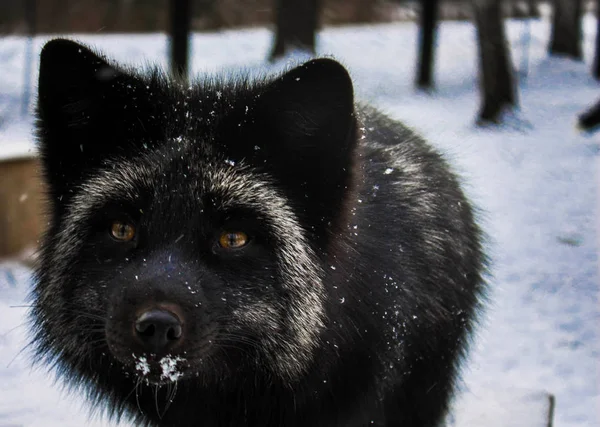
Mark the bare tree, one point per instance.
(296, 24)
(566, 29)
(427, 33)
(180, 14)
(496, 76)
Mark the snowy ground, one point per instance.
(537, 181)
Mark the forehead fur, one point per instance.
(191, 173)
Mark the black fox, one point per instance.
(246, 251)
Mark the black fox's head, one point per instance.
(189, 225)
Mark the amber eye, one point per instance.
(122, 231)
(233, 240)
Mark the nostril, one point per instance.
(156, 329)
(146, 329)
(174, 333)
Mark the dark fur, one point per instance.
(398, 254)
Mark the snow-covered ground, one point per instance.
(536, 180)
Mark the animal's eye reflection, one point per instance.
(122, 231)
(233, 239)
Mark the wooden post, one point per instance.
(21, 214)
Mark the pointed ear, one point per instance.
(70, 74)
(84, 110)
(312, 109)
(308, 118)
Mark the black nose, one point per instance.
(158, 330)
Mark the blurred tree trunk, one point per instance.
(427, 33)
(180, 21)
(566, 29)
(296, 24)
(596, 66)
(524, 9)
(534, 11)
(590, 119)
(496, 77)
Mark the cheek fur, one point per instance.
(258, 316)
